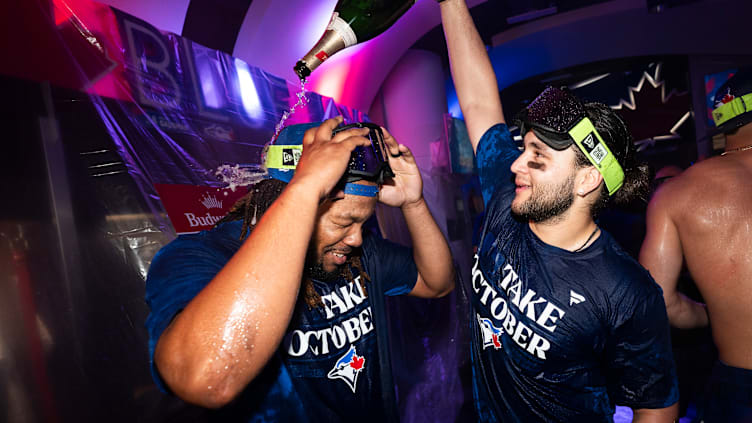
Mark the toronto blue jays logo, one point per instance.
(348, 367)
(490, 333)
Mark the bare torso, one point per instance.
(711, 206)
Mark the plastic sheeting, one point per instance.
(186, 112)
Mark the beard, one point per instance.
(547, 202)
(316, 271)
(315, 267)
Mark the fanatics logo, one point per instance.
(348, 367)
(575, 298)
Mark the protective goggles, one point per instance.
(559, 119)
(732, 109)
(370, 163)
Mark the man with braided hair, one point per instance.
(703, 218)
(565, 323)
(269, 315)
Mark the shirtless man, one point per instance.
(704, 216)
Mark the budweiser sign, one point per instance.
(194, 208)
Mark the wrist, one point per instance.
(412, 205)
(302, 191)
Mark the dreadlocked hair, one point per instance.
(254, 204)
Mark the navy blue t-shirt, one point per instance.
(327, 367)
(559, 336)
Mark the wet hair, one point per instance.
(637, 176)
(254, 204)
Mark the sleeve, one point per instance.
(640, 362)
(391, 263)
(494, 156)
(179, 271)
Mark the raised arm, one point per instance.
(225, 336)
(472, 73)
(430, 249)
(662, 255)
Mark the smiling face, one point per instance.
(338, 231)
(545, 180)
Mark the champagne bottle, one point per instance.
(353, 22)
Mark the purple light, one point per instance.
(208, 74)
(248, 93)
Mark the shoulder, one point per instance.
(376, 250)
(627, 274)
(493, 138)
(214, 243)
(704, 183)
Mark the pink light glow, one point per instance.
(331, 77)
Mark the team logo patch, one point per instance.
(348, 367)
(490, 333)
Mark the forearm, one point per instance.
(658, 415)
(228, 332)
(431, 253)
(684, 313)
(472, 73)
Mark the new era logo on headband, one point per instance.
(594, 148)
(290, 156)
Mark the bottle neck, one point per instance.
(330, 43)
(338, 36)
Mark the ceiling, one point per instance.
(274, 34)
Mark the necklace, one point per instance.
(589, 238)
(745, 148)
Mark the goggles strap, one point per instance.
(283, 156)
(732, 109)
(287, 156)
(598, 153)
(362, 190)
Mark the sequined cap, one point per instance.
(550, 116)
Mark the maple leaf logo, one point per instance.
(496, 343)
(357, 362)
(652, 114)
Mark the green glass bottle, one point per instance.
(353, 22)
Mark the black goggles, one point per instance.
(370, 163)
(559, 119)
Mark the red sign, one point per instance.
(194, 208)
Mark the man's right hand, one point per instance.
(325, 158)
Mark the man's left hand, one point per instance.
(406, 187)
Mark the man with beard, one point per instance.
(566, 324)
(279, 323)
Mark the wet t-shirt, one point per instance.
(559, 336)
(327, 366)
